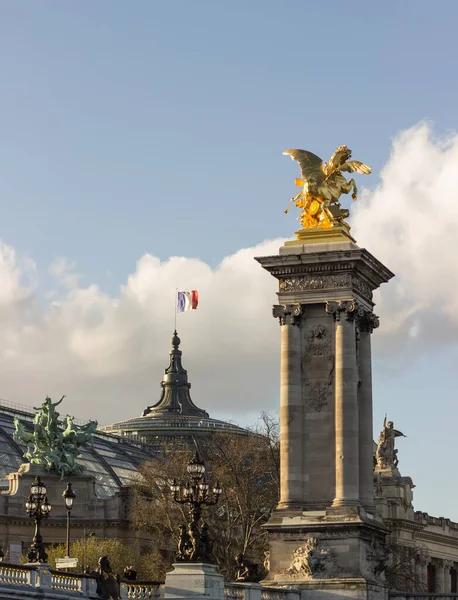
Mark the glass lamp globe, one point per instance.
(69, 496)
(196, 466)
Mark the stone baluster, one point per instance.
(366, 323)
(291, 417)
(346, 405)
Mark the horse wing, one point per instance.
(355, 165)
(309, 163)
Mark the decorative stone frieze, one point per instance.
(316, 280)
(287, 314)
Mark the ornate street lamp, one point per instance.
(195, 545)
(38, 508)
(69, 496)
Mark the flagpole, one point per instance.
(175, 306)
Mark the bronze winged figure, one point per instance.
(322, 185)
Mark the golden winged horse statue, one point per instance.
(322, 185)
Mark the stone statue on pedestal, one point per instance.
(386, 454)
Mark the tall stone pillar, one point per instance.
(366, 323)
(324, 535)
(346, 405)
(291, 418)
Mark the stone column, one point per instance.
(366, 323)
(291, 419)
(447, 588)
(346, 405)
(440, 576)
(418, 576)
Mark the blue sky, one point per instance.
(157, 127)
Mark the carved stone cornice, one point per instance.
(345, 308)
(318, 274)
(287, 314)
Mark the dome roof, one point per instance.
(175, 414)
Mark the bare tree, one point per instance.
(247, 468)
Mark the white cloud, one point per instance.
(107, 354)
(410, 222)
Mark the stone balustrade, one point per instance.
(142, 589)
(254, 591)
(26, 581)
(401, 596)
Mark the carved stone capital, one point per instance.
(287, 314)
(345, 308)
(448, 564)
(367, 321)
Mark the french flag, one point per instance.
(187, 301)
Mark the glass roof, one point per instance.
(113, 461)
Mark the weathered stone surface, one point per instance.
(194, 580)
(324, 536)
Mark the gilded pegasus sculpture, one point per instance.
(322, 185)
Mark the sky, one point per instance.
(141, 149)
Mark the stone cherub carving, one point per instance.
(322, 185)
(309, 561)
(386, 454)
(47, 445)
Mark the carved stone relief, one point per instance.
(309, 561)
(378, 559)
(312, 281)
(317, 396)
(318, 343)
(320, 281)
(318, 391)
(362, 287)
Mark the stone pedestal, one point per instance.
(194, 580)
(324, 534)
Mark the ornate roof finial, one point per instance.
(175, 397)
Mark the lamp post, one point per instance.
(69, 496)
(38, 508)
(194, 544)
